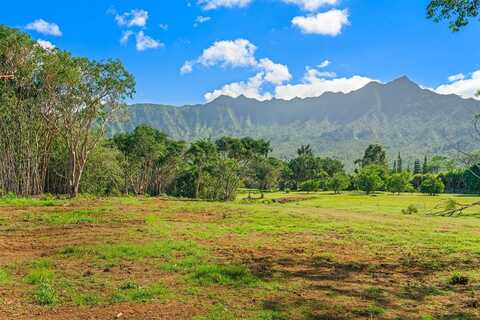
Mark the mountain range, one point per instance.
(400, 115)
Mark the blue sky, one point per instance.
(260, 48)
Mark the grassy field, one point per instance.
(286, 256)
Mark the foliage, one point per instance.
(369, 179)
(339, 182)
(432, 185)
(458, 12)
(374, 155)
(310, 186)
(398, 182)
(411, 209)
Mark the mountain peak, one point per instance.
(403, 81)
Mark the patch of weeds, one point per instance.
(270, 315)
(40, 272)
(4, 276)
(374, 293)
(89, 299)
(131, 291)
(458, 279)
(416, 290)
(45, 294)
(426, 318)
(232, 275)
(218, 312)
(42, 277)
(371, 311)
(411, 209)
(67, 218)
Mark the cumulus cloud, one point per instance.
(465, 87)
(44, 27)
(274, 72)
(47, 45)
(250, 89)
(144, 42)
(133, 18)
(236, 53)
(328, 23)
(315, 83)
(311, 5)
(215, 4)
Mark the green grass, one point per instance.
(42, 277)
(226, 275)
(131, 291)
(68, 217)
(4, 276)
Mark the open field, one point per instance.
(288, 256)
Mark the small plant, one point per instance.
(45, 294)
(375, 310)
(458, 279)
(4, 276)
(411, 209)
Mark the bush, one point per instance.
(369, 179)
(310, 186)
(339, 182)
(411, 209)
(432, 185)
(458, 279)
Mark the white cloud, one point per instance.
(329, 23)
(462, 86)
(311, 5)
(201, 20)
(187, 67)
(47, 45)
(324, 64)
(145, 42)
(215, 4)
(163, 26)
(250, 89)
(316, 83)
(126, 36)
(44, 27)
(133, 18)
(236, 53)
(274, 72)
(456, 77)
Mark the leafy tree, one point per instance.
(374, 155)
(454, 180)
(432, 185)
(398, 182)
(457, 12)
(330, 166)
(310, 186)
(339, 182)
(201, 156)
(472, 180)
(94, 91)
(369, 179)
(265, 173)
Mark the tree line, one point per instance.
(55, 109)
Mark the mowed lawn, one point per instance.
(285, 256)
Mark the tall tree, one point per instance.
(96, 90)
(374, 155)
(201, 155)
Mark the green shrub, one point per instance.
(458, 279)
(45, 294)
(411, 209)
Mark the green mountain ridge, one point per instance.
(399, 114)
